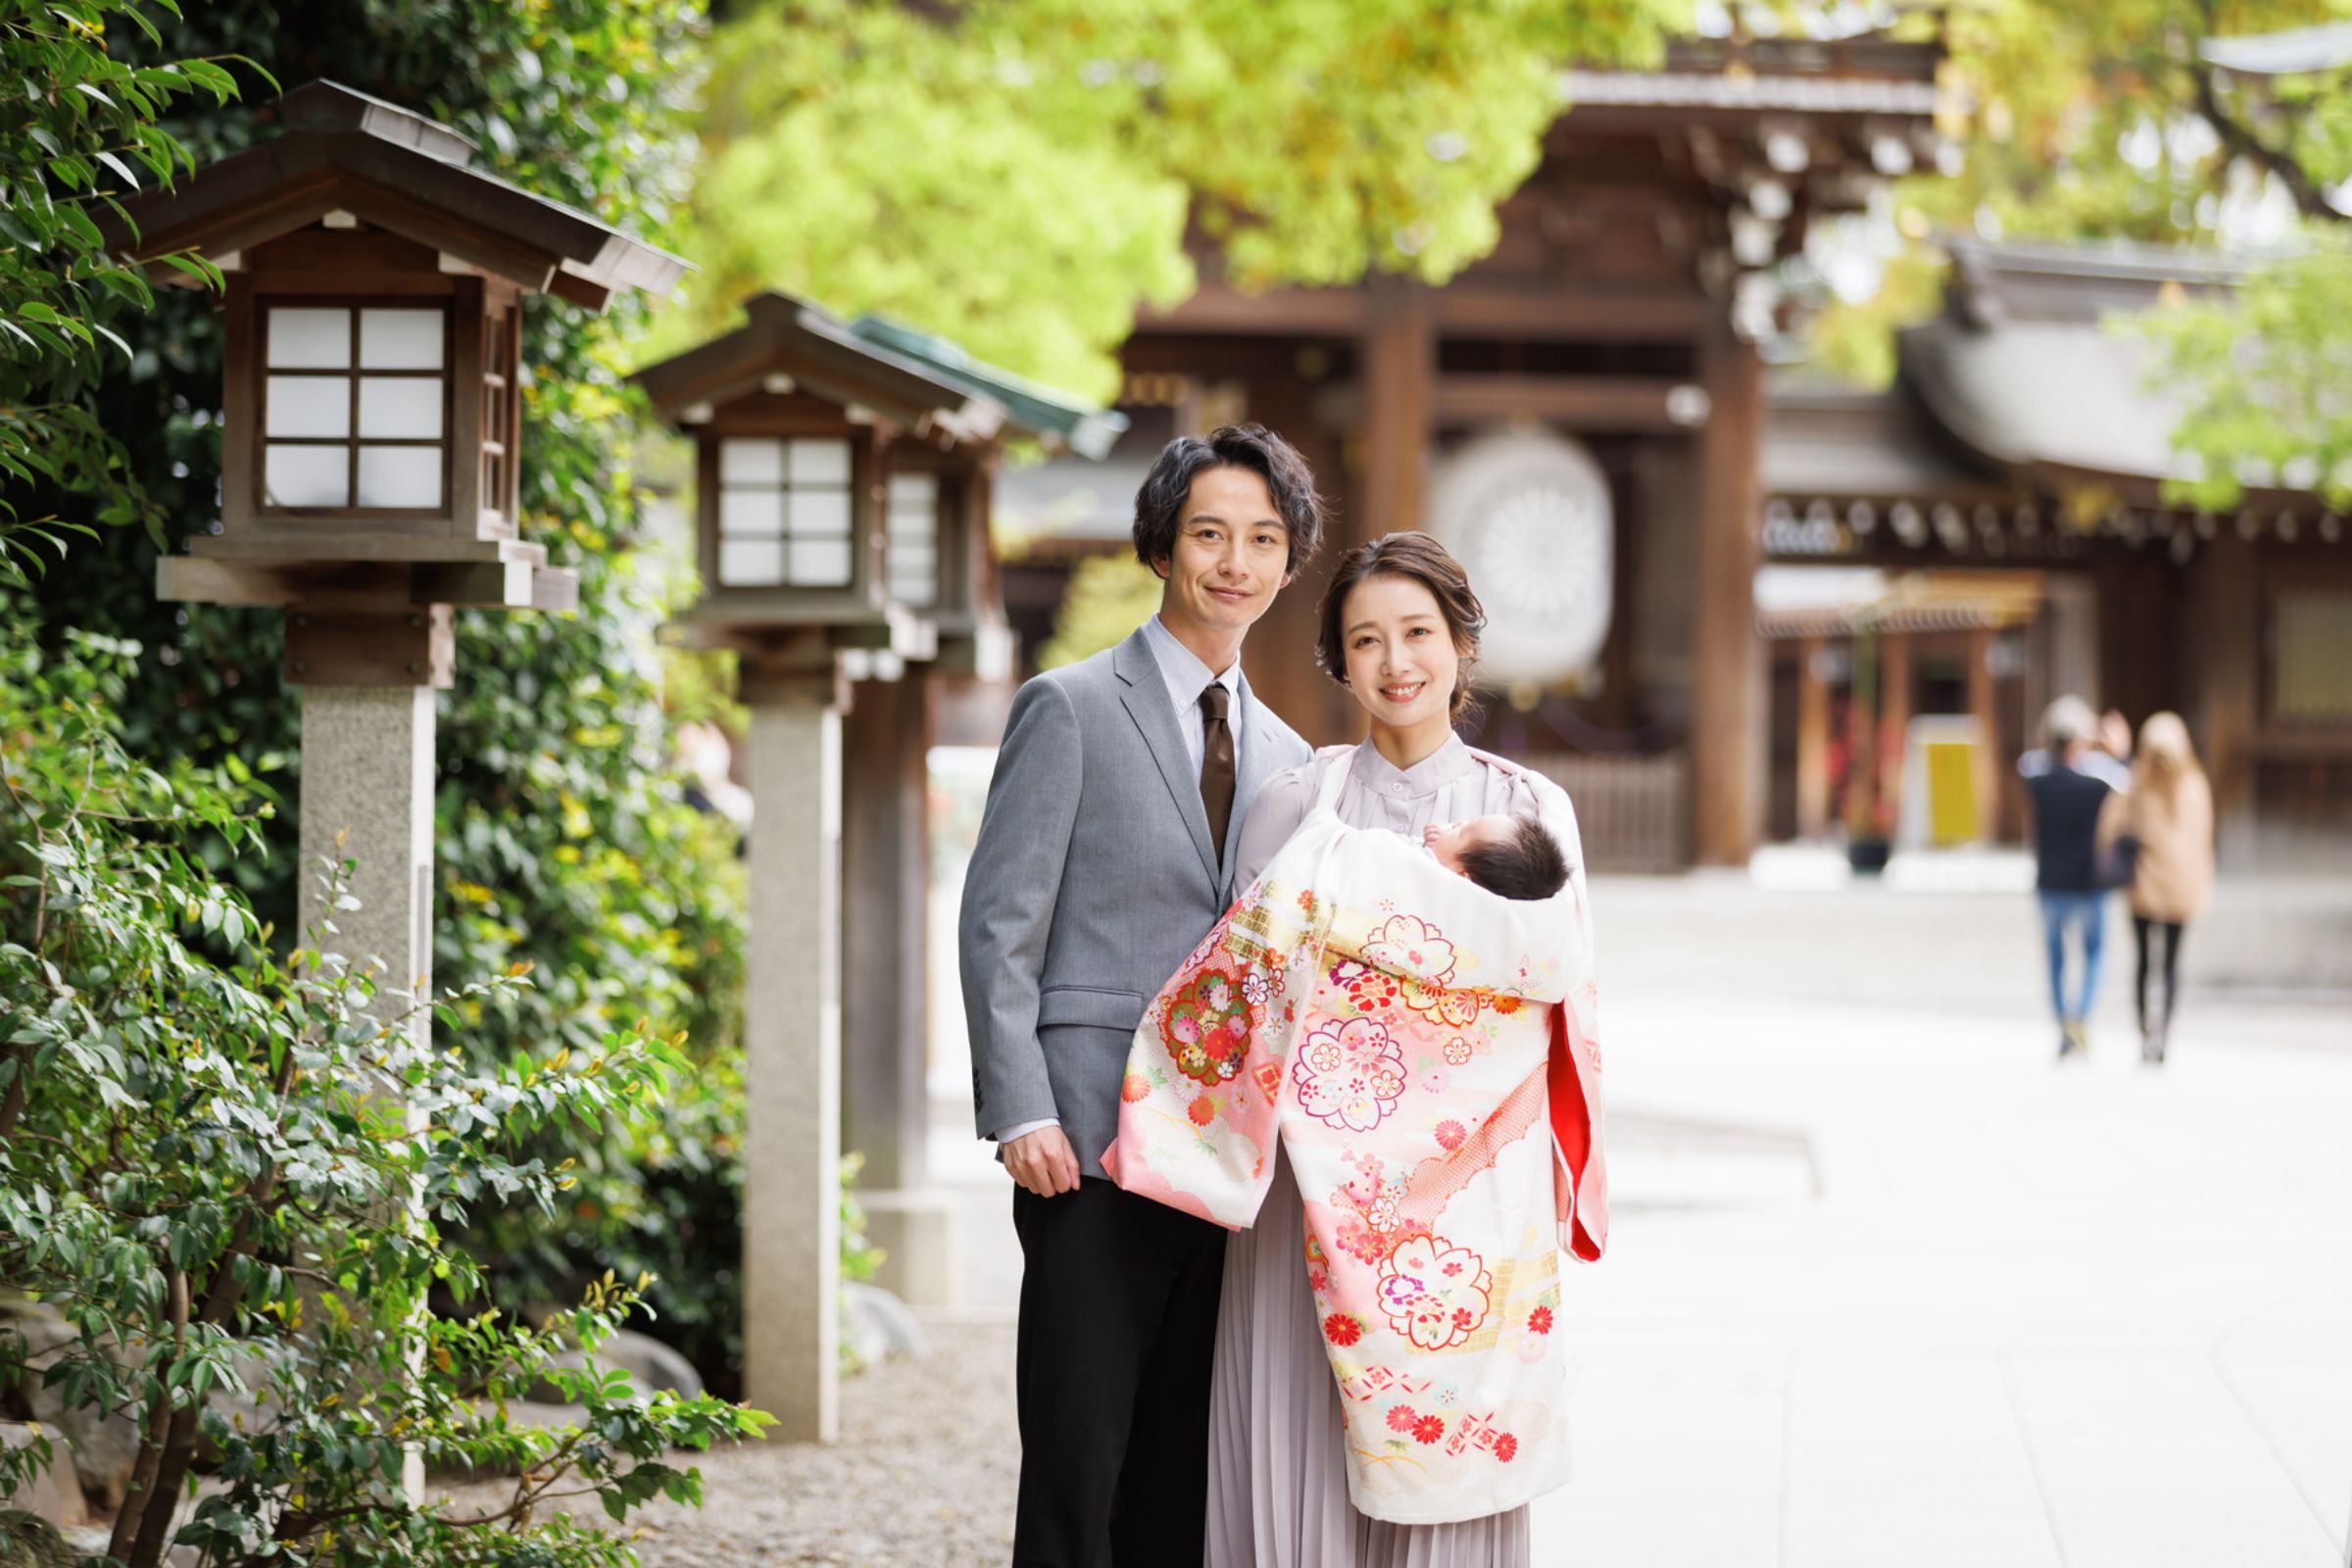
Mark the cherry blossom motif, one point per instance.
(1434, 1292)
(1255, 989)
(1406, 944)
(1457, 1052)
(1350, 1074)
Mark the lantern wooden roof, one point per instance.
(1053, 420)
(783, 335)
(345, 152)
(912, 378)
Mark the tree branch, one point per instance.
(2241, 140)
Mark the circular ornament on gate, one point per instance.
(1528, 514)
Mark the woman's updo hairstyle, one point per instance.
(1416, 557)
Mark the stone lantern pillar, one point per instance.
(842, 511)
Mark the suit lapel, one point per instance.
(1257, 765)
(1145, 695)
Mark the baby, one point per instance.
(1510, 855)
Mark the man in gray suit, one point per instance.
(1103, 859)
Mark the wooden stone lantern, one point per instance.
(369, 462)
(843, 473)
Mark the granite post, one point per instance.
(792, 1070)
(368, 798)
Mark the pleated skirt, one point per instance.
(1277, 1441)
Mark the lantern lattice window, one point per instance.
(913, 539)
(784, 513)
(355, 408)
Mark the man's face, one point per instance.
(1451, 841)
(1231, 557)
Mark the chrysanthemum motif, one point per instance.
(1206, 1027)
(1350, 1074)
(1434, 1292)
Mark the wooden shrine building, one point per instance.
(1577, 416)
(2020, 462)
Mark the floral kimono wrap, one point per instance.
(1424, 1049)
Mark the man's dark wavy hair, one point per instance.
(1160, 500)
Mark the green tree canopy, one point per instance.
(1020, 174)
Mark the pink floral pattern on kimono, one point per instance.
(1424, 1051)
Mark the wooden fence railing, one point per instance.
(1633, 812)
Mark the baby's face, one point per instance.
(1451, 841)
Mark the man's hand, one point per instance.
(1043, 1161)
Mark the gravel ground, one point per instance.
(923, 1476)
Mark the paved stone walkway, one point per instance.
(2025, 1316)
(923, 1476)
(1887, 1285)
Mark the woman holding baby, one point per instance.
(1309, 1431)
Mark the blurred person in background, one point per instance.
(2168, 813)
(2070, 781)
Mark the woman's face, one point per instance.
(1400, 654)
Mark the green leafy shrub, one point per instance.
(242, 1189)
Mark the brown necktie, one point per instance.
(1217, 765)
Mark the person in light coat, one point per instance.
(2169, 813)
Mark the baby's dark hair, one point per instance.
(1523, 863)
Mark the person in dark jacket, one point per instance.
(2069, 782)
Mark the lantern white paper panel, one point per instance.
(404, 407)
(746, 459)
(316, 407)
(750, 562)
(750, 514)
(820, 562)
(309, 338)
(399, 476)
(306, 476)
(401, 340)
(820, 462)
(915, 538)
(819, 514)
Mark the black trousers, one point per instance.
(1118, 1329)
(2148, 932)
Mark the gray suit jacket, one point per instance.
(1093, 881)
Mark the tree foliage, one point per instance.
(1108, 597)
(81, 132)
(240, 1188)
(2111, 122)
(2269, 373)
(1021, 174)
(2105, 122)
